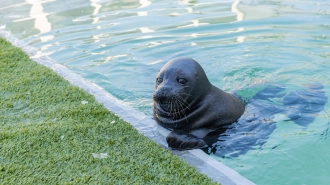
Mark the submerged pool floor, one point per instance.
(242, 46)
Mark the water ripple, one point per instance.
(121, 45)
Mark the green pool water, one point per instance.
(121, 45)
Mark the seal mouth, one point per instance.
(165, 105)
(170, 106)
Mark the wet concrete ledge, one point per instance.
(145, 125)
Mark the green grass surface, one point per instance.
(48, 136)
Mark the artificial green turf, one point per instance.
(48, 135)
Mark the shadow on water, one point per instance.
(258, 122)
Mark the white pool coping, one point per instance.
(145, 125)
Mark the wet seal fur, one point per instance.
(186, 103)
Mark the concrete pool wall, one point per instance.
(145, 125)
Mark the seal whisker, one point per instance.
(183, 112)
(179, 105)
(175, 111)
(171, 106)
(184, 102)
(178, 112)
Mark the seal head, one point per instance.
(184, 98)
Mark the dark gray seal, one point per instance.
(189, 105)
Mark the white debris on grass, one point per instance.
(62, 137)
(84, 102)
(112, 122)
(100, 155)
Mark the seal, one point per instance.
(186, 103)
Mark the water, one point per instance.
(121, 45)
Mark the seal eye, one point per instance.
(159, 80)
(182, 81)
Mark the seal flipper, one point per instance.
(303, 105)
(182, 140)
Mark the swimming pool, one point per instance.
(121, 45)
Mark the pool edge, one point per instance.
(145, 125)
